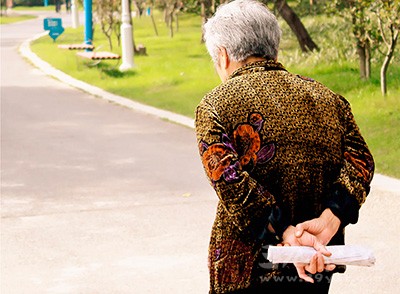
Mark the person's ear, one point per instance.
(224, 58)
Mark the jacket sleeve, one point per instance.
(249, 205)
(353, 184)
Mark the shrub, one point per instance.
(30, 2)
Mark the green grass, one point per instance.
(35, 8)
(6, 19)
(177, 72)
(335, 65)
(379, 120)
(168, 77)
(45, 8)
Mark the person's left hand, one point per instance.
(323, 229)
(317, 263)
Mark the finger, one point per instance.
(321, 248)
(283, 244)
(330, 267)
(312, 266)
(320, 263)
(302, 273)
(300, 228)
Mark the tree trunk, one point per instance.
(203, 12)
(362, 60)
(110, 42)
(295, 24)
(166, 15)
(177, 21)
(362, 47)
(131, 23)
(384, 68)
(171, 25)
(154, 22)
(386, 62)
(367, 61)
(203, 18)
(139, 8)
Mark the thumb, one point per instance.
(300, 228)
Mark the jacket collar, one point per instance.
(257, 66)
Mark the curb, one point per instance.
(26, 52)
(380, 181)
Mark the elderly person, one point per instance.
(282, 152)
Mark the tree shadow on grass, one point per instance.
(113, 71)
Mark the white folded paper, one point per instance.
(341, 255)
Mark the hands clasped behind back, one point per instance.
(315, 233)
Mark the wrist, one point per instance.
(331, 219)
(288, 232)
(278, 223)
(343, 205)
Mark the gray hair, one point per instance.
(245, 28)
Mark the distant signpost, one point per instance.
(54, 25)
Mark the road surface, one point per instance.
(100, 198)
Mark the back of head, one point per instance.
(245, 28)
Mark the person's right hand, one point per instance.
(317, 263)
(323, 227)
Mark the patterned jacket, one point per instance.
(277, 148)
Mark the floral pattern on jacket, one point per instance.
(219, 158)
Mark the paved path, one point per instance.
(100, 198)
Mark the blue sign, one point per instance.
(54, 25)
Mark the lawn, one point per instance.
(36, 8)
(177, 72)
(11, 18)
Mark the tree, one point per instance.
(375, 24)
(207, 8)
(357, 13)
(109, 16)
(295, 24)
(171, 10)
(303, 37)
(3, 7)
(387, 14)
(169, 16)
(152, 18)
(140, 6)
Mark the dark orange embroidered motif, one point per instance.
(362, 162)
(247, 142)
(227, 158)
(215, 160)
